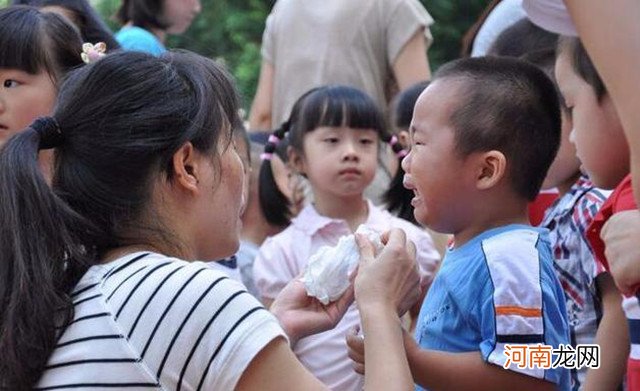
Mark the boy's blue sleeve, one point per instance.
(521, 317)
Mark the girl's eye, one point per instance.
(331, 140)
(366, 141)
(9, 83)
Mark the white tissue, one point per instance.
(327, 275)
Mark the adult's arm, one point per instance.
(412, 64)
(260, 114)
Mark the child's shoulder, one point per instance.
(515, 249)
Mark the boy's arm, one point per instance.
(612, 337)
(452, 371)
(464, 371)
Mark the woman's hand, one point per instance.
(390, 280)
(301, 315)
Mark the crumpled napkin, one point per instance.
(327, 275)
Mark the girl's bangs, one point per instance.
(20, 46)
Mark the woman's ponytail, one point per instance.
(39, 259)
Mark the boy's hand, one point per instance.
(355, 346)
(620, 235)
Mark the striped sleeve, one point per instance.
(152, 322)
(521, 305)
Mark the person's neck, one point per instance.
(354, 210)
(158, 33)
(498, 215)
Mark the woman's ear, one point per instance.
(491, 168)
(186, 168)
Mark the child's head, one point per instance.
(565, 168)
(172, 16)
(82, 15)
(333, 134)
(36, 50)
(144, 159)
(521, 38)
(484, 131)
(597, 131)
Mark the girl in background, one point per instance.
(334, 136)
(146, 23)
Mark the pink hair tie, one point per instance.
(402, 153)
(393, 141)
(266, 156)
(273, 139)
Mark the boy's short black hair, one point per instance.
(582, 64)
(511, 106)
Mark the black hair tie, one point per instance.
(49, 131)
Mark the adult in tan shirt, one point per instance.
(374, 45)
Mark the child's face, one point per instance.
(434, 169)
(597, 133)
(179, 14)
(23, 98)
(566, 165)
(339, 161)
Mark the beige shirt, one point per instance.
(311, 43)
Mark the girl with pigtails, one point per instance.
(334, 136)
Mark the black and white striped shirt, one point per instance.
(146, 321)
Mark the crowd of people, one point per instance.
(152, 238)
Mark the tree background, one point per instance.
(231, 31)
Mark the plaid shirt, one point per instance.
(567, 220)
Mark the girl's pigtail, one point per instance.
(40, 260)
(397, 197)
(274, 204)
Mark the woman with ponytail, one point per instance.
(99, 287)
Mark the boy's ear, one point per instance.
(491, 168)
(186, 168)
(296, 160)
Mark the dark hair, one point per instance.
(511, 106)
(404, 103)
(121, 119)
(92, 28)
(331, 106)
(397, 197)
(142, 13)
(274, 204)
(520, 38)
(582, 64)
(35, 41)
(546, 60)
